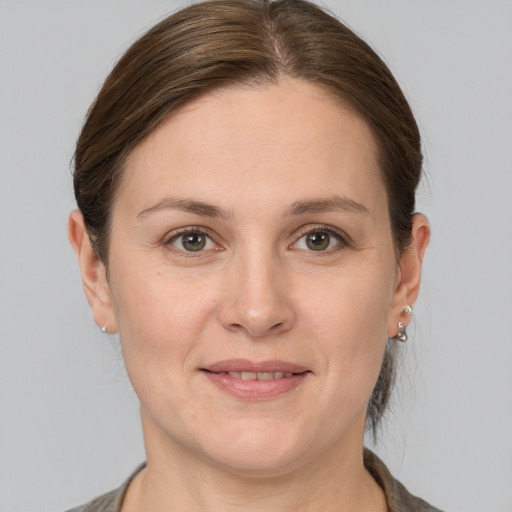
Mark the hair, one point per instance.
(220, 43)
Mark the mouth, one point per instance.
(245, 379)
(258, 375)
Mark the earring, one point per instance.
(104, 329)
(402, 333)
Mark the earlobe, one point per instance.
(408, 284)
(93, 273)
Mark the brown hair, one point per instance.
(223, 42)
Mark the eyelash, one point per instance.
(341, 238)
(191, 230)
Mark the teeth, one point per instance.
(259, 375)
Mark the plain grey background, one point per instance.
(69, 426)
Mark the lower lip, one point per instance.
(255, 389)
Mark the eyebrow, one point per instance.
(186, 205)
(332, 203)
(327, 204)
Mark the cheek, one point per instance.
(159, 315)
(349, 323)
(160, 322)
(352, 303)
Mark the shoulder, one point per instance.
(109, 502)
(398, 497)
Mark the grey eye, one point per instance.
(193, 241)
(318, 241)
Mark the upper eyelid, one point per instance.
(308, 228)
(189, 229)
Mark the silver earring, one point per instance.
(104, 329)
(402, 333)
(407, 310)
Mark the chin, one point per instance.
(262, 451)
(256, 464)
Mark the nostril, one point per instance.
(255, 330)
(236, 327)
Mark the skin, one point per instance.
(265, 157)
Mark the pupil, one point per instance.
(194, 242)
(318, 241)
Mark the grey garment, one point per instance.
(397, 496)
(110, 502)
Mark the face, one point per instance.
(253, 279)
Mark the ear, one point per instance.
(409, 274)
(93, 273)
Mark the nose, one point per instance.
(257, 299)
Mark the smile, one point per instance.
(258, 375)
(247, 380)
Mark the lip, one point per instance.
(217, 374)
(245, 365)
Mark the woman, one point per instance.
(245, 182)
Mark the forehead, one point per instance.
(292, 136)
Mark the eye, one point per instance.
(192, 241)
(319, 240)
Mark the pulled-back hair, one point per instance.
(219, 43)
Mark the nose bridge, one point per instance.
(257, 302)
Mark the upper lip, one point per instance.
(245, 365)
